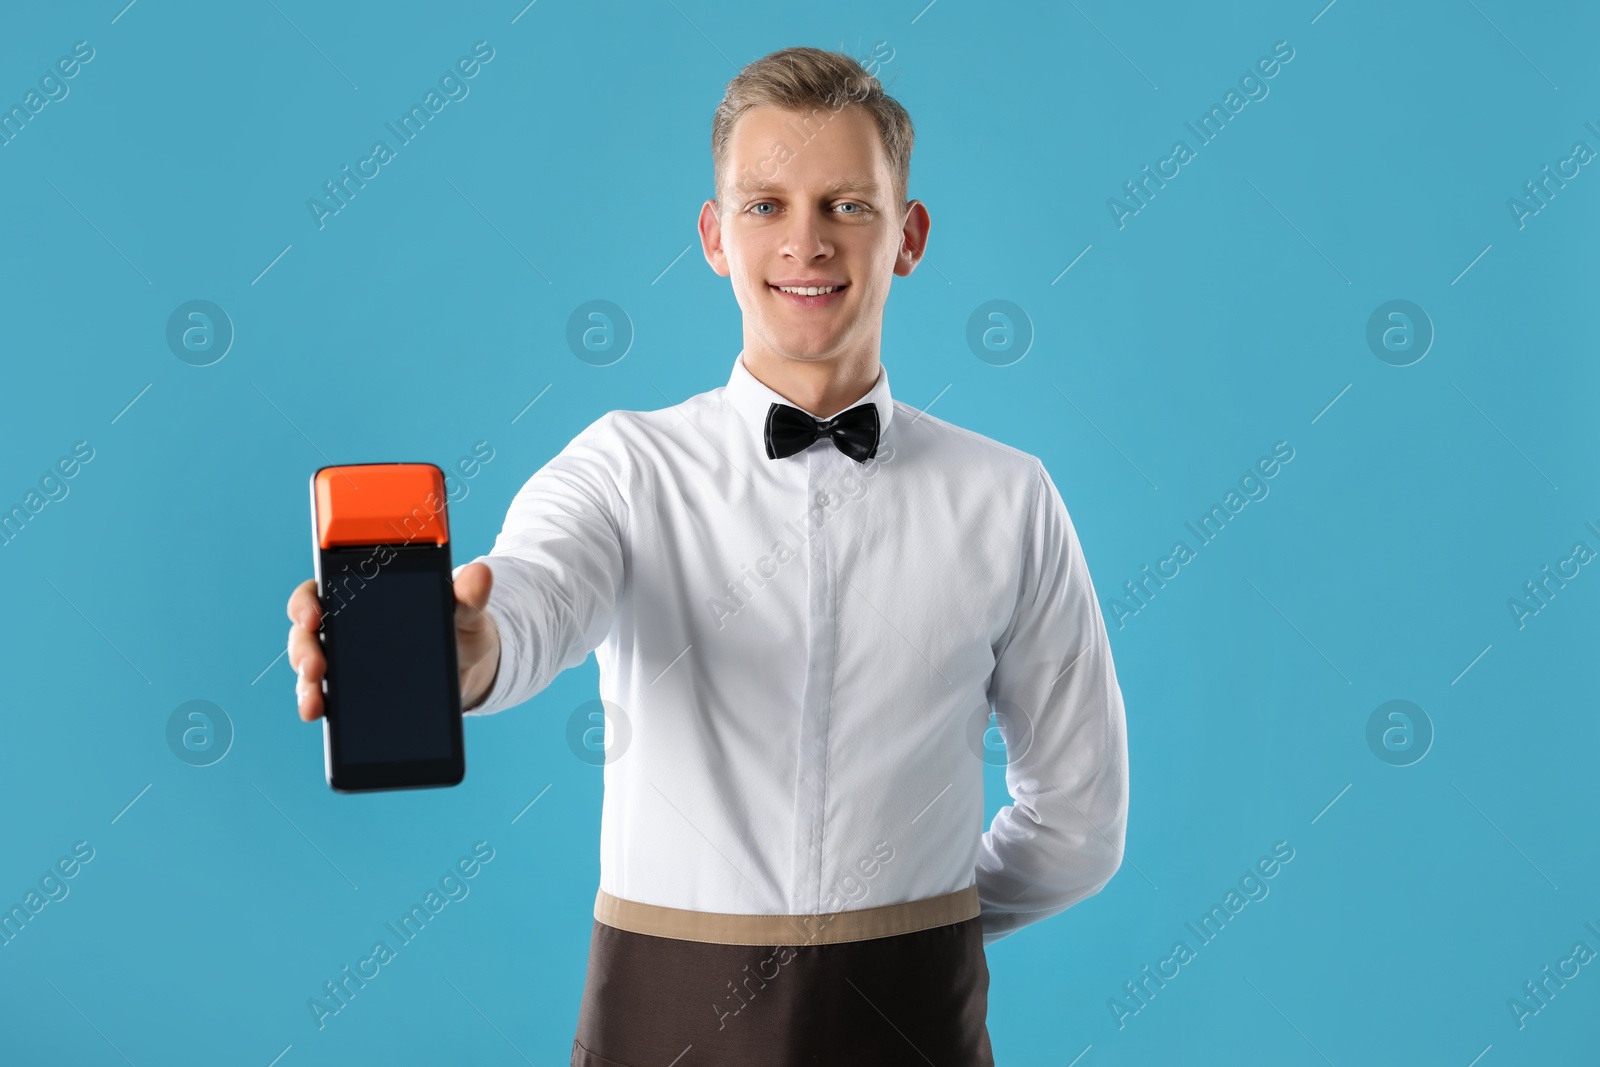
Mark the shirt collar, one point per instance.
(751, 397)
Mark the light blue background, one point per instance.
(1225, 316)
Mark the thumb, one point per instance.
(472, 588)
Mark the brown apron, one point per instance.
(916, 999)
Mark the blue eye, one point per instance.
(859, 209)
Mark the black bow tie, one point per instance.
(855, 432)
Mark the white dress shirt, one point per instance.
(806, 651)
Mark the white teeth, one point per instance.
(809, 291)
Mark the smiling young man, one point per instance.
(809, 203)
(805, 598)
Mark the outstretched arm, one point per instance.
(558, 566)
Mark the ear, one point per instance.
(913, 238)
(711, 238)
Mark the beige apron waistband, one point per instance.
(724, 928)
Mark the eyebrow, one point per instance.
(849, 184)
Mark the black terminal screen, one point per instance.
(389, 666)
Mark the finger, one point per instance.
(472, 588)
(309, 702)
(305, 650)
(309, 664)
(308, 695)
(305, 654)
(303, 607)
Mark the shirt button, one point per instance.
(822, 498)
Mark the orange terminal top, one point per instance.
(381, 503)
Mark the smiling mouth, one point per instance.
(811, 297)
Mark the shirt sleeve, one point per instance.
(558, 566)
(1059, 708)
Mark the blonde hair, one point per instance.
(808, 80)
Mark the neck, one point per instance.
(821, 387)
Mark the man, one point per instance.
(805, 597)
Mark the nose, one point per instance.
(804, 238)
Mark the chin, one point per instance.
(810, 349)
